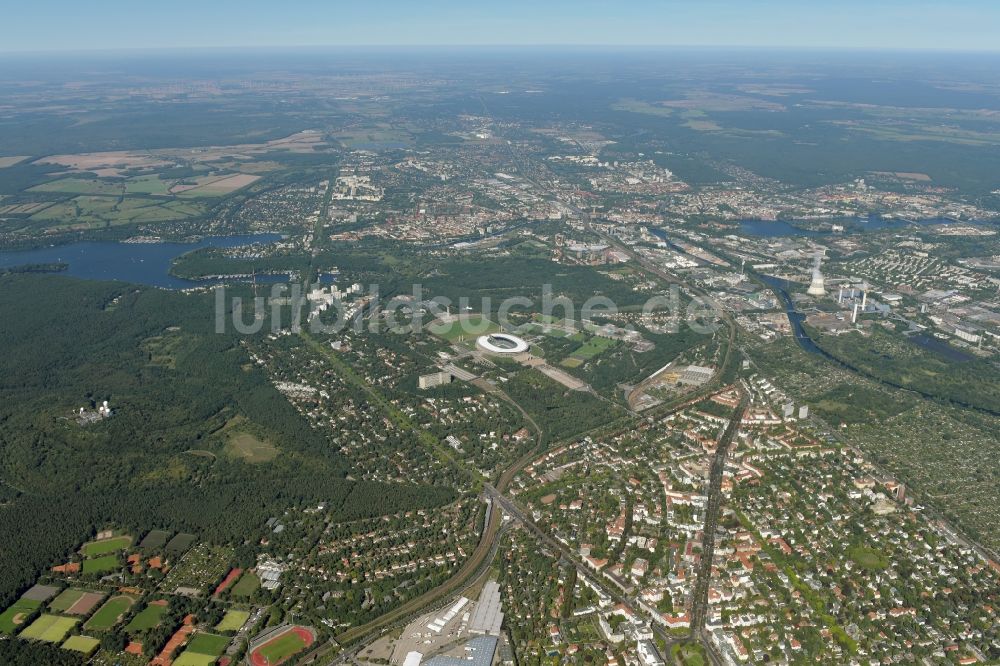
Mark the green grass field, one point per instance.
(80, 186)
(189, 658)
(249, 448)
(87, 211)
(468, 327)
(84, 644)
(868, 558)
(149, 185)
(282, 648)
(50, 628)
(593, 347)
(106, 546)
(211, 644)
(65, 600)
(147, 618)
(99, 565)
(245, 586)
(10, 619)
(110, 613)
(155, 540)
(233, 620)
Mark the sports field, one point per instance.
(110, 613)
(84, 644)
(189, 658)
(202, 650)
(99, 565)
(106, 546)
(210, 644)
(13, 617)
(465, 327)
(50, 628)
(41, 592)
(246, 586)
(147, 618)
(233, 620)
(279, 649)
(155, 540)
(76, 602)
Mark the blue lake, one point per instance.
(140, 263)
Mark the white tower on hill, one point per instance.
(818, 285)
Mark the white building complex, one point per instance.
(502, 343)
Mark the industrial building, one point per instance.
(479, 652)
(695, 375)
(487, 616)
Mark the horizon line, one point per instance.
(506, 46)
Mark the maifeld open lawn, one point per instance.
(50, 628)
(279, 649)
(106, 546)
(14, 616)
(110, 613)
(468, 327)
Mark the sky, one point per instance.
(47, 25)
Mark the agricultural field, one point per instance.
(110, 613)
(84, 644)
(76, 602)
(11, 160)
(13, 617)
(50, 628)
(80, 186)
(90, 211)
(106, 546)
(148, 618)
(214, 186)
(100, 565)
(151, 185)
(233, 620)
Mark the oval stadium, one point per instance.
(502, 343)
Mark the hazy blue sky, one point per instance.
(72, 24)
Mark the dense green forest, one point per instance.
(899, 362)
(172, 383)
